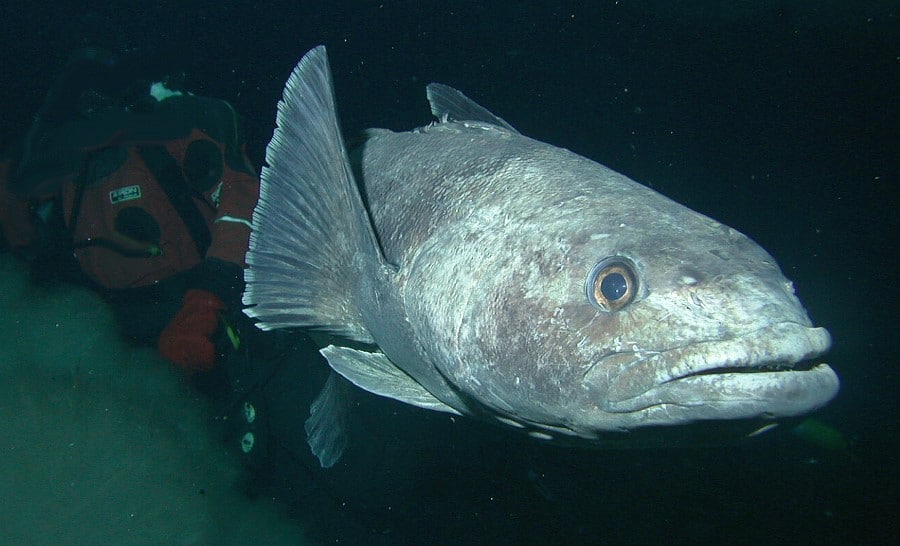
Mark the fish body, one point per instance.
(484, 273)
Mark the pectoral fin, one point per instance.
(375, 373)
(328, 424)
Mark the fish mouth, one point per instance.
(771, 372)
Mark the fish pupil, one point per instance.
(614, 286)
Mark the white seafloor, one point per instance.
(104, 443)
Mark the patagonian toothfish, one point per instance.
(476, 271)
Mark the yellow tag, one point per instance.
(232, 335)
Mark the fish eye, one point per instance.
(612, 284)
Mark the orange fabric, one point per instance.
(238, 197)
(235, 196)
(186, 339)
(96, 220)
(235, 199)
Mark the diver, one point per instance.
(143, 191)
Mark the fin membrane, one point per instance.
(448, 102)
(327, 427)
(311, 235)
(373, 372)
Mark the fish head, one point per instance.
(606, 306)
(705, 326)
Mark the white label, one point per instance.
(124, 194)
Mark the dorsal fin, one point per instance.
(447, 102)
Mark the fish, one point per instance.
(463, 267)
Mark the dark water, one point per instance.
(777, 118)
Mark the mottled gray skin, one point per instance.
(464, 270)
(494, 235)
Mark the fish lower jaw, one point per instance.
(772, 372)
(731, 395)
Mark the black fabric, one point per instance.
(51, 260)
(49, 256)
(224, 279)
(170, 178)
(146, 252)
(51, 155)
(143, 312)
(260, 388)
(102, 163)
(218, 119)
(136, 223)
(202, 165)
(215, 117)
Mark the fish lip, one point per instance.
(771, 371)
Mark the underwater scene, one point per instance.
(626, 275)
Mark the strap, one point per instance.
(171, 179)
(148, 252)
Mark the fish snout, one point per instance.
(767, 371)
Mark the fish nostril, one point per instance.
(688, 275)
